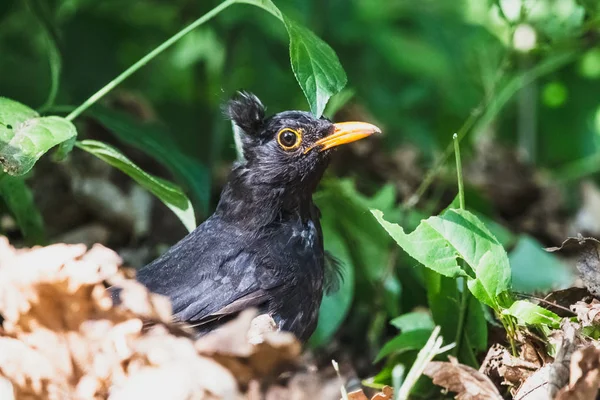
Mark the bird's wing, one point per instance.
(211, 273)
(254, 299)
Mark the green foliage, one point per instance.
(439, 242)
(25, 136)
(157, 142)
(531, 314)
(315, 64)
(19, 201)
(357, 240)
(406, 341)
(335, 307)
(171, 195)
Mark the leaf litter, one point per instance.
(64, 337)
(561, 363)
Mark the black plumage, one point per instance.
(263, 246)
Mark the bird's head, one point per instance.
(291, 148)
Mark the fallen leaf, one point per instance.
(548, 380)
(584, 379)
(387, 393)
(587, 313)
(588, 264)
(467, 382)
(230, 346)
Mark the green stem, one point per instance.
(147, 58)
(462, 313)
(461, 185)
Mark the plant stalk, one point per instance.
(147, 58)
(461, 185)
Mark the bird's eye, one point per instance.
(289, 139)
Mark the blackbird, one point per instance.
(263, 246)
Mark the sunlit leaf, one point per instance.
(439, 242)
(315, 64)
(171, 195)
(529, 313)
(25, 136)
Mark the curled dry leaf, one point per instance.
(500, 363)
(63, 337)
(589, 260)
(584, 379)
(547, 381)
(272, 353)
(467, 382)
(587, 314)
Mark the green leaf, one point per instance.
(534, 269)
(413, 320)
(438, 243)
(25, 136)
(315, 64)
(158, 143)
(19, 200)
(444, 300)
(365, 239)
(406, 341)
(334, 307)
(531, 314)
(171, 195)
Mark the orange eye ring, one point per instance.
(287, 141)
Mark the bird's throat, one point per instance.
(247, 202)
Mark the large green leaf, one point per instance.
(18, 198)
(315, 64)
(439, 242)
(171, 195)
(158, 143)
(25, 136)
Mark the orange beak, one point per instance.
(345, 132)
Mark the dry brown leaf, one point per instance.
(63, 337)
(229, 345)
(584, 379)
(547, 381)
(589, 260)
(387, 393)
(467, 382)
(500, 363)
(587, 314)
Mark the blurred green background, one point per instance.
(517, 79)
